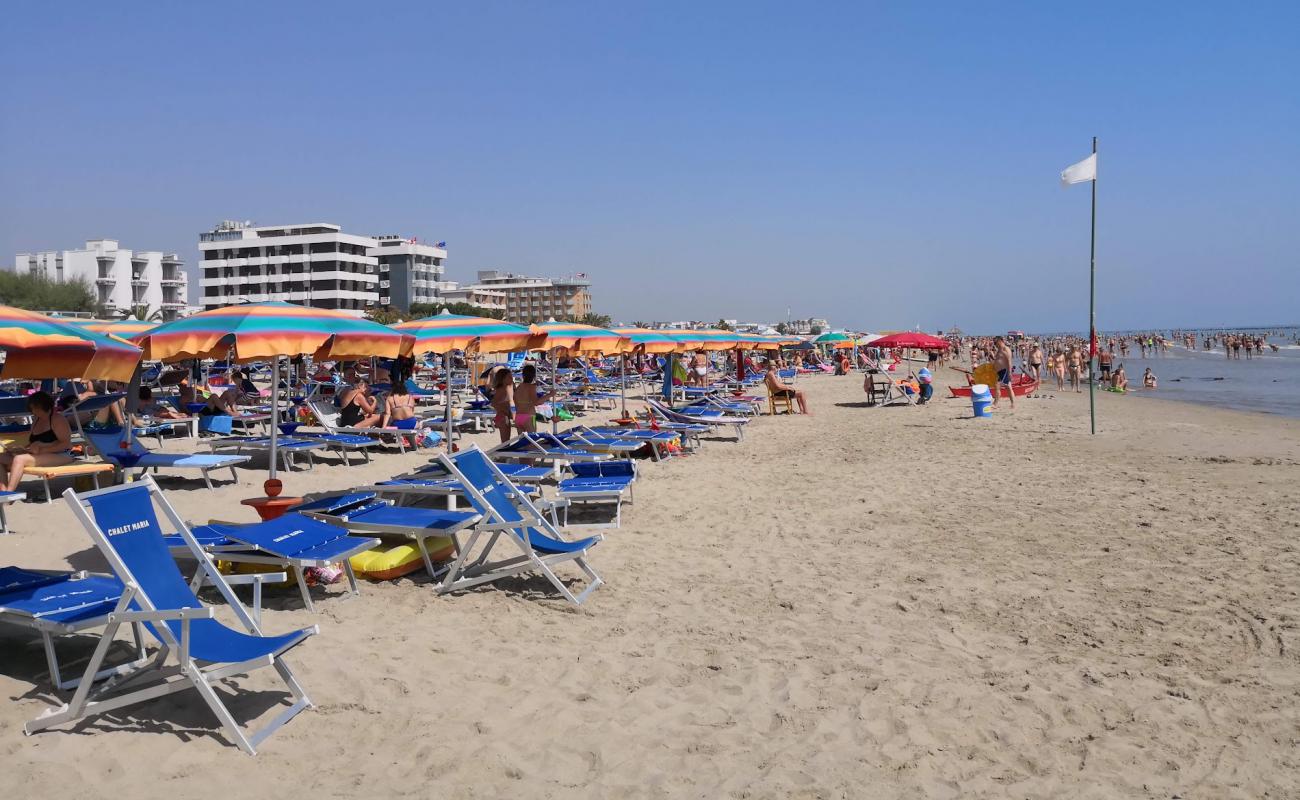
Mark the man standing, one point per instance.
(1003, 359)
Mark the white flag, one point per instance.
(1084, 171)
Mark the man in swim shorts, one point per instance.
(1003, 359)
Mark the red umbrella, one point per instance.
(914, 341)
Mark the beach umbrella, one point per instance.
(37, 346)
(708, 339)
(274, 330)
(830, 338)
(125, 328)
(644, 340)
(577, 338)
(910, 340)
(445, 332)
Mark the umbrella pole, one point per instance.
(622, 383)
(446, 369)
(271, 486)
(555, 394)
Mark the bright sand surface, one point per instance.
(896, 602)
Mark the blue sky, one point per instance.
(882, 165)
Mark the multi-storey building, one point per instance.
(529, 299)
(409, 272)
(313, 264)
(124, 281)
(475, 295)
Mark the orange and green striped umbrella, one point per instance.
(125, 328)
(579, 338)
(37, 346)
(648, 340)
(265, 330)
(444, 332)
(707, 339)
(754, 341)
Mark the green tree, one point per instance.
(144, 314)
(815, 330)
(782, 328)
(386, 315)
(723, 326)
(39, 293)
(420, 310)
(594, 320)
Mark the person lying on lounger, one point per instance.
(780, 388)
(152, 408)
(47, 444)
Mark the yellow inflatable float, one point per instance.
(389, 561)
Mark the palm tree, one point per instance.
(144, 314)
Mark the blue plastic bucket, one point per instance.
(980, 400)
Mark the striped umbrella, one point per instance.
(252, 331)
(268, 330)
(37, 346)
(445, 332)
(651, 341)
(707, 339)
(581, 338)
(123, 328)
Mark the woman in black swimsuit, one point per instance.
(358, 410)
(47, 444)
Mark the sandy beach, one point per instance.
(899, 602)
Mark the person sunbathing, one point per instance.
(152, 408)
(399, 409)
(357, 410)
(779, 388)
(47, 443)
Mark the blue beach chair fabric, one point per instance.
(108, 443)
(124, 525)
(61, 604)
(287, 446)
(294, 541)
(542, 447)
(364, 513)
(601, 482)
(509, 514)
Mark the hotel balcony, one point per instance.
(106, 280)
(176, 281)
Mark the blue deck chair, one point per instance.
(124, 526)
(542, 447)
(695, 418)
(601, 482)
(584, 438)
(343, 443)
(509, 514)
(61, 604)
(364, 513)
(659, 439)
(108, 443)
(293, 541)
(287, 446)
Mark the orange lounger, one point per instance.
(67, 471)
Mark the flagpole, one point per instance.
(1092, 304)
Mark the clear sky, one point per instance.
(881, 165)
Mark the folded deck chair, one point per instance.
(364, 513)
(542, 447)
(124, 526)
(61, 604)
(293, 541)
(713, 420)
(287, 446)
(344, 443)
(595, 443)
(601, 482)
(509, 517)
(108, 443)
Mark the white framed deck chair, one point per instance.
(327, 414)
(123, 523)
(509, 519)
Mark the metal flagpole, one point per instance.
(1092, 304)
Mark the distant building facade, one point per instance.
(528, 299)
(123, 280)
(409, 272)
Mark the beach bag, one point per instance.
(427, 437)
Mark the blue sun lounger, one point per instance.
(713, 420)
(364, 513)
(542, 447)
(61, 604)
(599, 482)
(509, 515)
(293, 541)
(123, 524)
(287, 446)
(108, 443)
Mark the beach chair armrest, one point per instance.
(558, 502)
(256, 577)
(162, 616)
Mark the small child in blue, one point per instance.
(925, 379)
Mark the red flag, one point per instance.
(1092, 345)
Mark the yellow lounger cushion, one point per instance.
(68, 469)
(389, 561)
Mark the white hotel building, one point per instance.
(122, 280)
(314, 264)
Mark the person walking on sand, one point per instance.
(527, 399)
(1003, 359)
(1074, 363)
(1036, 362)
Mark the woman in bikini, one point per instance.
(503, 399)
(1075, 365)
(399, 409)
(47, 444)
(526, 400)
(356, 409)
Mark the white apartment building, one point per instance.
(524, 298)
(123, 280)
(409, 271)
(312, 264)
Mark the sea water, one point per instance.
(1269, 383)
